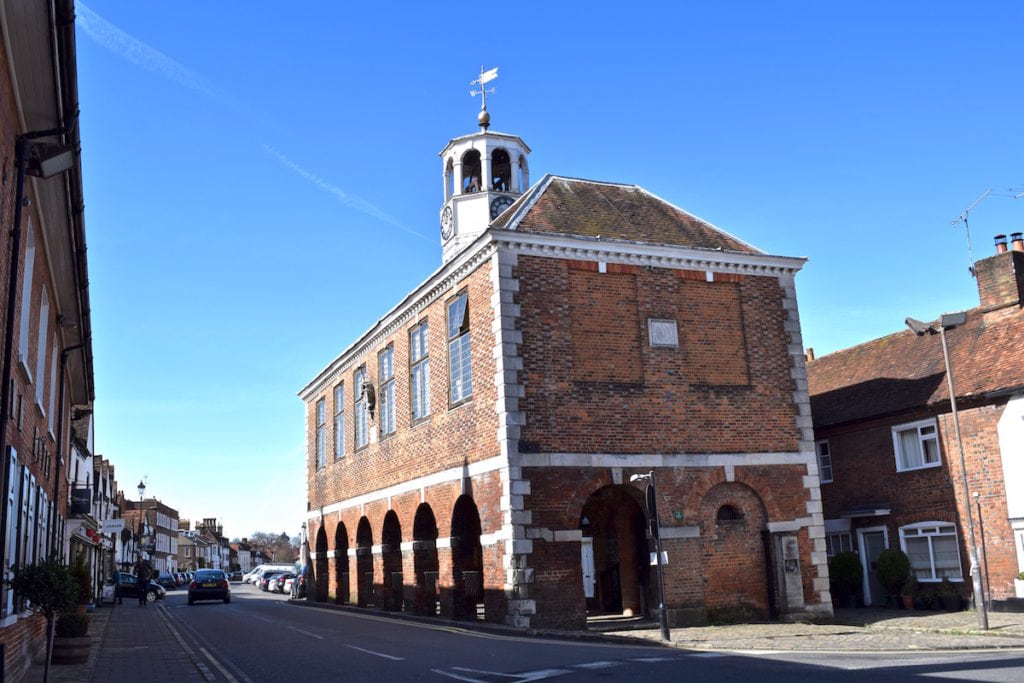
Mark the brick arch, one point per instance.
(364, 563)
(765, 480)
(321, 564)
(615, 523)
(341, 563)
(467, 559)
(391, 561)
(425, 561)
(735, 564)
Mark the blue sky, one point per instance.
(262, 182)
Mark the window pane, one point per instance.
(947, 557)
(920, 557)
(910, 453)
(931, 450)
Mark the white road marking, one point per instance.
(458, 678)
(598, 665)
(307, 633)
(378, 654)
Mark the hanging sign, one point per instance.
(81, 501)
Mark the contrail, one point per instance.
(350, 200)
(116, 41)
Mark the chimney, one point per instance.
(810, 354)
(1001, 277)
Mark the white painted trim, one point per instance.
(442, 477)
(692, 531)
(654, 460)
(790, 525)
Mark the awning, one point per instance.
(870, 510)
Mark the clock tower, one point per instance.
(484, 173)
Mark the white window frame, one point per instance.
(460, 356)
(320, 417)
(834, 543)
(339, 421)
(921, 440)
(386, 395)
(44, 322)
(824, 452)
(931, 530)
(419, 355)
(26, 297)
(360, 420)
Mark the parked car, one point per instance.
(276, 583)
(264, 581)
(130, 589)
(235, 576)
(167, 581)
(209, 584)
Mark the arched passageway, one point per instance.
(391, 556)
(341, 564)
(321, 565)
(364, 564)
(613, 552)
(467, 561)
(424, 560)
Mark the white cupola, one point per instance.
(484, 173)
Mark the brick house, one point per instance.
(46, 380)
(472, 453)
(886, 441)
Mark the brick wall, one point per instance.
(653, 399)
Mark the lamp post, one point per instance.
(652, 510)
(949, 321)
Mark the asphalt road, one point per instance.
(259, 637)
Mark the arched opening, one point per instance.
(733, 518)
(449, 180)
(467, 561)
(424, 560)
(471, 172)
(321, 565)
(501, 171)
(341, 564)
(364, 563)
(614, 553)
(391, 557)
(524, 174)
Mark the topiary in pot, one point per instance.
(893, 569)
(845, 575)
(50, 589)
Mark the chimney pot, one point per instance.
(1017, 241)
(1000, 244)
(810, 353)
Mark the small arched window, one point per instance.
(727, 514)
(471, 172)
(449, 180)
(501, 171)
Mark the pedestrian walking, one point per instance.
(143, 572)
(117, 586)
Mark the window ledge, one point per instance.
(929, 466)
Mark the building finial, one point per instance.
(483, 118)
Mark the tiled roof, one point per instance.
(903, 371)
(571, 206)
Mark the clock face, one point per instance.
(447, 224)
(499, 204)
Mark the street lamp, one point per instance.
(652, 510)
(949, 321)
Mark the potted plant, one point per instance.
(893, 568)
(48, 588)
(949, 596)
(81, 574)
(909, 593)
(845, 575)
(1018, 585)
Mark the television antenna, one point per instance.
(964, 218)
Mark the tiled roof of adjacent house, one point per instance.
(571, 206)
(903, 371)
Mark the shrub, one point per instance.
(72, 625)
(845, 573)
(893, 568)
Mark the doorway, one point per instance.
(871, 542)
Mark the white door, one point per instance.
(872, 542)
(587, 560)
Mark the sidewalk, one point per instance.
(133, 644)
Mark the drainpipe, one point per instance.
(60, 439)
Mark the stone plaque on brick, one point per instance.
(663, 333)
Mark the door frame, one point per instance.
(864, 556)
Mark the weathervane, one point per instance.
(485, 77)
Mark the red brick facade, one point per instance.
(489, 508)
